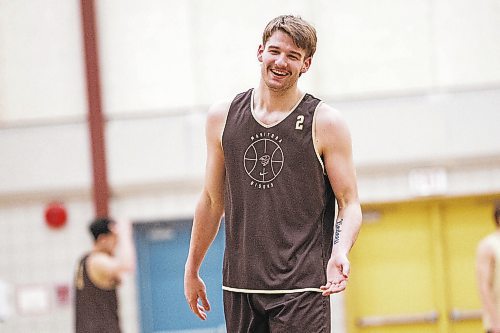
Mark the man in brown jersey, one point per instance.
(98, 274)
(277, 160)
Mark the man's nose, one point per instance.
(281, 61)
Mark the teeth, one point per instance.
(278, 72)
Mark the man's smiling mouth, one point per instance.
(278, 72)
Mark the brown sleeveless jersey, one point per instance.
(279, 205)
(96, 309)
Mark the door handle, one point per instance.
(403, 319)
(461, 315)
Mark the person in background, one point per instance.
(278, 159)
(98, 275)
(488, 276)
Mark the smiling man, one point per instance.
(277, 160)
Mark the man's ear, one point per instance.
(260, 50)
(307, 64)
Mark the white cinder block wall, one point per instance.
(418, 82)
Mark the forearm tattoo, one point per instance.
(338, 230)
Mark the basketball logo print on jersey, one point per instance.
(263, 159)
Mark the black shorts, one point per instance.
(277, 313)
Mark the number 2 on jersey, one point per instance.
(299, 124)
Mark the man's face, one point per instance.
(282, 61)
(111, 239)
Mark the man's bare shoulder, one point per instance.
(218, 111)
(100, 261)
(327, 116)
(487, 244)
(216, 120)
(102, 270)
(331, 127)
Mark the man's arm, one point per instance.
(484, 270)
(333, 141)
(208, 212)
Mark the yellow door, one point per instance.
(413, 267)
(391, 286)
(466, 222)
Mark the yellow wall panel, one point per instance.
(413, 267)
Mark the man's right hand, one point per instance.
(194, 289)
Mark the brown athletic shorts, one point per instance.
(277, 313)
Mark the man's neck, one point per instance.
(268, 100)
